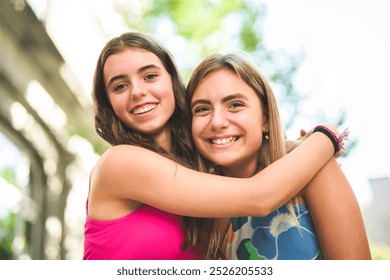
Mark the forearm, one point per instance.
(140, 175)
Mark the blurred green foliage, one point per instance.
(205, 27)
(7, 221)
(209, 27)
(380, 252)
(8, 174)
(6, 236)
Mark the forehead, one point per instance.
(131, 58)
(221, 83)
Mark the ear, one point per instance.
(265, 126)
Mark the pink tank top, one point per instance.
(145, 234)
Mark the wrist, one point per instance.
(336, 138)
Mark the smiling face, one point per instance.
(228, 123)
(140, 92)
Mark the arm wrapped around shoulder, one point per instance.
(331, 132)
(337, 140)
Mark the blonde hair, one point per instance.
(272, 148)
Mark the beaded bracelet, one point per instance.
(338, 142)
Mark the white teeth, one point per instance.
(223, 141)
(144, 109)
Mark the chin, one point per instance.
(223, 163)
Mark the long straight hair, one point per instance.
(272, 148)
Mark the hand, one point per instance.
(292, 144)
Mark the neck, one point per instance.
(163, 139)
(241, 171)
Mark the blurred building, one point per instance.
(377, 217)
(44, 112)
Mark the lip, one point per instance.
(143, 108)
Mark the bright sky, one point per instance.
(348, 56)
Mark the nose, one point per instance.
(137, 91)
(219, 120)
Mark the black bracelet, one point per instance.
(337, 142)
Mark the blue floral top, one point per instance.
(274, 237)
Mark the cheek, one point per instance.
(170, 103)
(116, 103)
(254, 129)
(196, 131)
(169, 97)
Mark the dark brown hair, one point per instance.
(115, 132)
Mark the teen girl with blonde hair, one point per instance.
(237, 128)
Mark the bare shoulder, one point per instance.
(126, 166)
(115, 161)
(124, 156)
(117, 152)
(124, 150)
(110, 188)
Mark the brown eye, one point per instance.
(119, 87)
(236, 105)
(200, 109)
(150, 77)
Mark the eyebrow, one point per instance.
(149, 66)
(234, 96)
(140, 70)
(224, 100)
